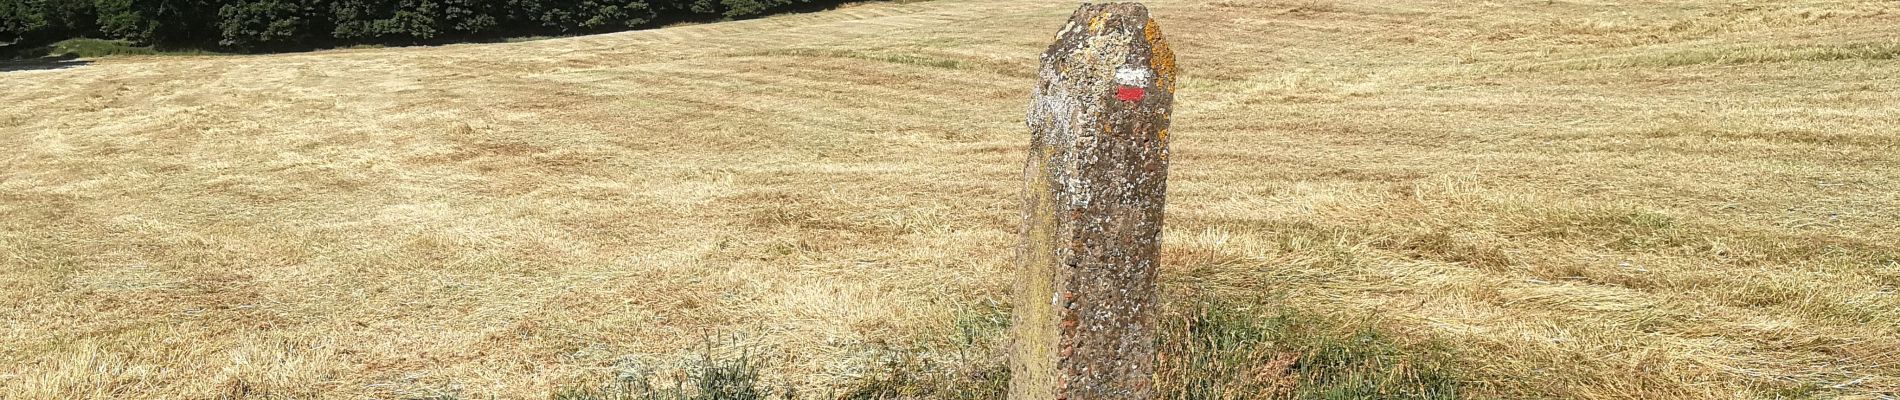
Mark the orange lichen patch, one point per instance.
(1162, 60)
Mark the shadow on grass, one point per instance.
(78, 52)
(44, 63)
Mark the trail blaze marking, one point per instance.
(1134, 82)
(1130, 93)
(1095, 183)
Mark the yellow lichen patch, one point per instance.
(1163, 135)
(1162, 58)
(1096, 24)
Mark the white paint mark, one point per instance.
(1134, 76)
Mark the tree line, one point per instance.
(284, 24)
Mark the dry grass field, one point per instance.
(1690, 199)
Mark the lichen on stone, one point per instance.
(1096, 179)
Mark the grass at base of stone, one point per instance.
(1215, 349)
(1208, 350)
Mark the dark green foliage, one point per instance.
(127, 19)
(385, 21)
(373, 21)
(582, 15)
(157, 21)
(36, 20)
(289, 24)
(258, 23)
(739, 8)
(696, 7)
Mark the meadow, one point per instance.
(1691, 199)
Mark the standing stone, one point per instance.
(1097, 172)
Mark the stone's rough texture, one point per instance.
(1096, 180)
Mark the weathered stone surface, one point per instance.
(1096, 181)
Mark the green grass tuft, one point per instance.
(973, 369)
(714, 376)
(1217, 350)
(92, 48)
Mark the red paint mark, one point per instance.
(1130, 93)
